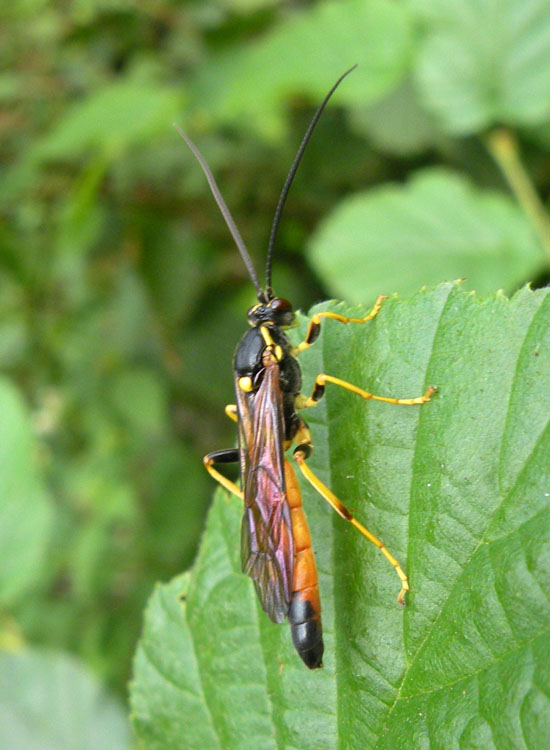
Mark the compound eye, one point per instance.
(280, 304)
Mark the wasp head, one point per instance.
(277, 310)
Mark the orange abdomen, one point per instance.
(304, 614)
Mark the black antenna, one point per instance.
(225, 213)
(288, 182)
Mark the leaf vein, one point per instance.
(431, 355)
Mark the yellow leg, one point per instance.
(303, 402)
(315, 324)
(231, 411)
(227, 456)
(345, 513)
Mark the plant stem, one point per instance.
(503, 146)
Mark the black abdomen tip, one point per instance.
(313, 657)
(308, 642)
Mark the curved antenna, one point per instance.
(288, 182)
(224, 212)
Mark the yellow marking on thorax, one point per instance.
(276, 349)
(245, 384)
(266, 336)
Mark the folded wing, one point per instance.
(267, 549)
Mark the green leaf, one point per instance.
(307, 52)
(110, 120)
(397, 123)
(177, 279)
(485, 63)
(26, 512)
(459, 489)
(48, 701)
(438, 227)
(140, 398)
(246, 6)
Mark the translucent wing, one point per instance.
(267, 550)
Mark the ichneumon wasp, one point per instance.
(276, 549)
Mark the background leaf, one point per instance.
(398, 123)
(48, 701)
(110, 120)
(485, 63)
(439, 224)
(26, 512)
(376, 34)
(459, 491)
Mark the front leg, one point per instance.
(315, 324)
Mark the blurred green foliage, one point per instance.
(121, 294)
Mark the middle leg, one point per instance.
(304, 402)
(227, 456)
